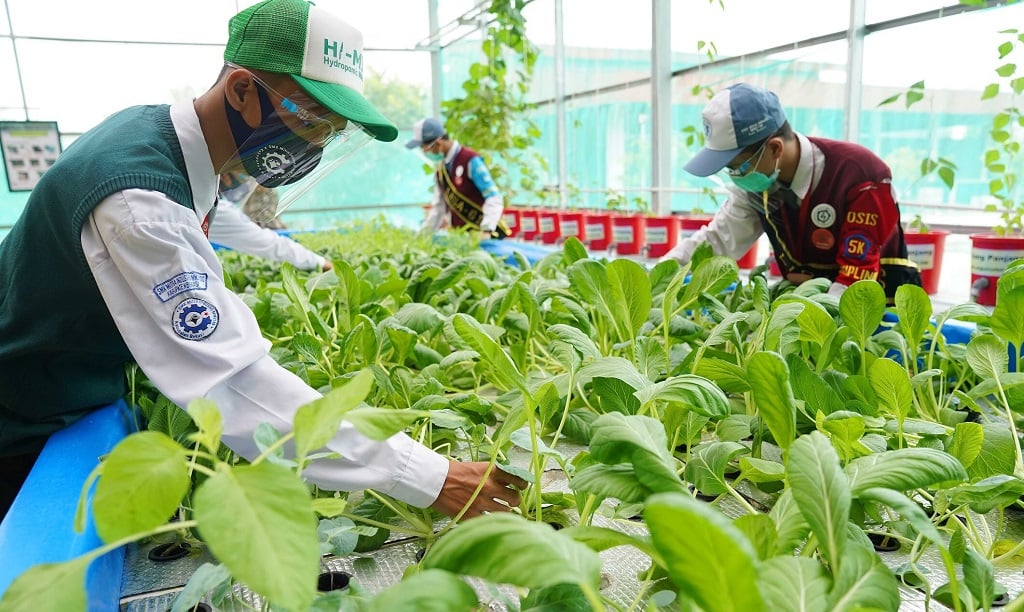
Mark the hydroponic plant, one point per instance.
(664, 394)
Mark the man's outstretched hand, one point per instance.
(464, 478)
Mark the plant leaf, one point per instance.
(904, 469)
(769, 381)
(861, 308)
(639, 440)
(966, 442)
(258, 521)
(711, 560)
(794, 583)
(911, 512)
(864, 582)
(692, 392)
(49, 586)
(822, 492)
(891, 385)
(504, 372)
(987, 356)
(507, 549)
(630, 299)
(431, 590)
(706, 468)
(610, 481)
(979, 575)
(141, 484)
(318, 421)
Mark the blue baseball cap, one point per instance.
(425, 131)
(735, 118)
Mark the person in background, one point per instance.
(827, 207)
(129, 274)
(465, 195)
(235, 229)
(260, 203)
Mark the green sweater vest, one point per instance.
(60, 353)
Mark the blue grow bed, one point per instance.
(39, 527)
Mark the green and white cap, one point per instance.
(320, 51)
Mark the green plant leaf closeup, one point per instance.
(318, 421)
(431, 590)
(711, 561)
(49, 586)
(822, 492)
(862, 306)
(769, 380)
(269, 542)
(794, 583)
(864, 583)
(508, 549)
(142, 482)
(904, 469)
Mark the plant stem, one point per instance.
(424, 528)
(592, 596)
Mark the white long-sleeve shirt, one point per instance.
(150, 258)
(233, 229)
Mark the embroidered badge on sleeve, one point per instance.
(194, 319)
(180, 283)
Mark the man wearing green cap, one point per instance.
(128, 273)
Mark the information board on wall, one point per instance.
(29, 149)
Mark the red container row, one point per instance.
(625, 233)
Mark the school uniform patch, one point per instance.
(180, 283)
(856, 246)
(823, 215)
(194, 319)
(822, 239)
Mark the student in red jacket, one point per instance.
(827, 206)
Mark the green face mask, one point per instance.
(434, 156)
(755, 181)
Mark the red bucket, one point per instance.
(990, 256)
(662, 235)
(571, 223)
(629, 233)
(529, 224)
(598, 230)
(926, 250)
(550, 228)
(511, 217)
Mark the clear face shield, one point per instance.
(297, 143)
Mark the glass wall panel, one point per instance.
(951, 121)
(884, 10)
(748, 26)
(606, 43)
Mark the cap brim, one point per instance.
(351, 105)
(412, 144)
(708, 161)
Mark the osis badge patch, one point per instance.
(194, 319)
